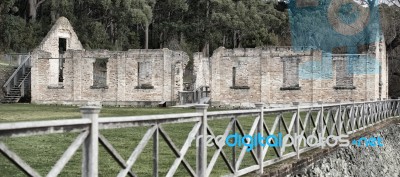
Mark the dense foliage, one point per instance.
(201, 25)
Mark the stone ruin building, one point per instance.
(65, 73)
(280, 76)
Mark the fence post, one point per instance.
(90, 148)
(386, 109)
(352, 116)
(8, 58)
(260, 129)
(321, 119)
(383, 100)
(198, 96)
(19, 60)
(193, 97)
(391, 101)
(29, 60)
(373, 112)
(180, 98)
(398, 106)
(22, 89)
(363, 113)
(297, 129)
(15, 80)
(201, 157)
(339, 118)
(383, 109)
(8, 89)
(156, 150)
(23, 69)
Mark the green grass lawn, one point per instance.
(42, 152)
(29, 112)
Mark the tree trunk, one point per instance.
(239, 40)
(206, 49)
(393, 44)
(234, 39)
(53, 16)
(33, 7)
(146, 40)
(223, 41)
(112, 32)
(32, 11)
(55, 6)
(1, 8)
(161, 40)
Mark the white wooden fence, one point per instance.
(327, 119)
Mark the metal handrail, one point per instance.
(23, 80)
(16, 71)
(17, 54)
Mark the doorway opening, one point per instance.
(62, 47)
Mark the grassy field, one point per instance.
(41, 152)
(25, 112)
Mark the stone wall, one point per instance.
(361, 161)
(61, 29)
(281, 75)
(123, 84)
(348, 161)
(237, 77)
(201, 70)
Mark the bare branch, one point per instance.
(39, 3)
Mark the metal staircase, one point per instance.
(18, 85)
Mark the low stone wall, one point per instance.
(362, 161)
(349, 161)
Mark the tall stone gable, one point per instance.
(61, 29)
(59, 39)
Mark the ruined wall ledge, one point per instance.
(240, 87)
(344, 87)
(98, 87)
(144, 87)
(55, 87)
(290, 88)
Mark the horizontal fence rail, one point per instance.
(323, 119)
(13, 59)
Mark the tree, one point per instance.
(33, 8)
(168, 24)
(391, 26)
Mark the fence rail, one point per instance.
(324, 119)
(13, 59)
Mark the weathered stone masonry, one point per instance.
(276, 75)
(64, 73)
(59, 35)
(165, 80)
